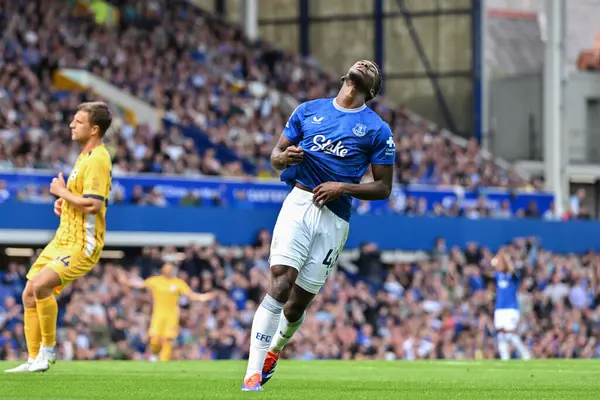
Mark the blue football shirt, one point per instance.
(507, 290)
(339, 144)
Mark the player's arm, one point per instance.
(379, 189)
(185, 290)
(382, 166)
(201, 297)
(95, 183)
(285, 154)
(286, 151)
(87, 205)
(135, 284)
(125, 281)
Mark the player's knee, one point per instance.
(293, 311)
(28, 296)
(41, 289)
(282, 280)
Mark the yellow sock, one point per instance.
(47, 310)
(165, 352)
(155, 346)
(33, 334)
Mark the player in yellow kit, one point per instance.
(79, 240)
(166, 289)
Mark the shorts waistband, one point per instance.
(301, 194)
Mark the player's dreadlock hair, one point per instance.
(376, 85)
(374, 91)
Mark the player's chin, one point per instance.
(358, 80)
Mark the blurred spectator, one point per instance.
(4, 193)
(575, 202)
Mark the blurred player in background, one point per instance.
(506, 316)
(164, 326)
(79, 240)
(324, 151)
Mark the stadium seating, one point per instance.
(437, 307)
(224, 93)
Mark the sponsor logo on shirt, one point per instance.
(327, 146)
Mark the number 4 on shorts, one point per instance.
(64, 260)
(330, 260)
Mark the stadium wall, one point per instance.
(238, 226)
(516, 104)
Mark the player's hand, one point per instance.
(58, 207)
(293, 155)
(326, 192)
(57, 185)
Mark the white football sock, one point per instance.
(264, 327)
(519, 345)
(503, 346)
(285, 331)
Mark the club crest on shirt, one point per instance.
(360, 130)
(173, 288)
(74, 174)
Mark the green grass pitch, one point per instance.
(464, 380)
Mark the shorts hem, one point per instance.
(280, 259)
(309, 287)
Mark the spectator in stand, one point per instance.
(4, 193)
(575, 203)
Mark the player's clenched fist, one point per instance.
(57, 185)
(58, 207)
(326, 192)
(292, 155)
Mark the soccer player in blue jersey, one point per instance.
(324, 151)
(506, 316)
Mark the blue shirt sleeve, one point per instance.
(293, 127)
(384, 148)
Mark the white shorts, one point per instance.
(307, 238)
(506, 319)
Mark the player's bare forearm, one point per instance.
(125, 281)
(83, 204)
(134, 285)
(285, 154)
(202, 297)
(277, 159)
(379, 189)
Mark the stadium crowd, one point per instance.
(202, 73)
(435, 307)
